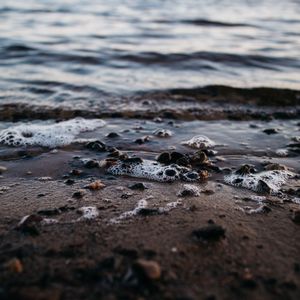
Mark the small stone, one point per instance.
(164, 158)
(138, 186)
(69, 181)
(142, 140)
(97, 146)
(76, 172)
(14, 265)
(2, 169)
(263, 188)
(29, 224)
(91, 164)
(112, 135)
(296, 216)
(275, 166)
(78, 194)
(271, 131)
(95, 185)
(148, 268)
(210, 232)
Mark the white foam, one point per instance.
(169, 206)
(274, 179)
(48, 135)
(282, 152)
(152, 170)
(143, 203)
(199, 142)
(88, 212)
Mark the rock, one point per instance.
(138, 186)
(2, 169)
(263, 188)
(95, 185)
(148, 268)
(210, 232)
(91, 164)
(142, 140)
(76, 172)
(296, 216)
(112, 135)
(275, 166)
(164, 158)
(97, 146)
(78, 194)
(271, 131)
(245, 170)
(163, 133)
(29, 224)
(69, 181)
(14, 265)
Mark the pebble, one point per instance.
(138, 186)
(95, 185)
(2, 169)
(271, 131)
(112, 135)
(78, 194)
(296, 216)
(91, 164)
(148, 268)
(29, 223)
(210, 232)
(96, 146)
(14, 265)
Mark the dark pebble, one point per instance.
(96, 146)
(75, 172)
(210, 232)
(142, 140)
(148, 211)
(78, 194)
(30, 225)
(138, 186)
(271, 131)
(112, 135)
(296, 216)
(69, 181)
(164, 158)
(91, 164)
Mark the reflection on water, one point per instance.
(73, 50)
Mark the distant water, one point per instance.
(59, 51)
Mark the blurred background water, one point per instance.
(60, 51)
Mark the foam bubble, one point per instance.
(274, 179)
(162, 133)
(199, 142)
(153, 170)
(143, 203)
(48, 135)
(88, 212)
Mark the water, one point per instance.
(80, 51)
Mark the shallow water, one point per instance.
(79, 51)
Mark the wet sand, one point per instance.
(211, 245)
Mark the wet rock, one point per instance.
(138, 186)
(189, 190)
(296, 216)
(97, 146)
(2, 169)
(112, 135)
(132, 160)
(200, 157)
(210, 232)
(158, 120)
(29, 224)
(14, 266)
(91, 164)
(148, 211)
(76, 172)
(175, 156)
(263, 188)
(275, 166)
(69, 181)
(271, 131)
(148, 268)
(78, 194)
(163, 133)
(245, 170)
(142, 140)
(95, 185)
(164, 158)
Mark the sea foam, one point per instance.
(153, 170)
(273, 179)
(48, 135)
(199, 142)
